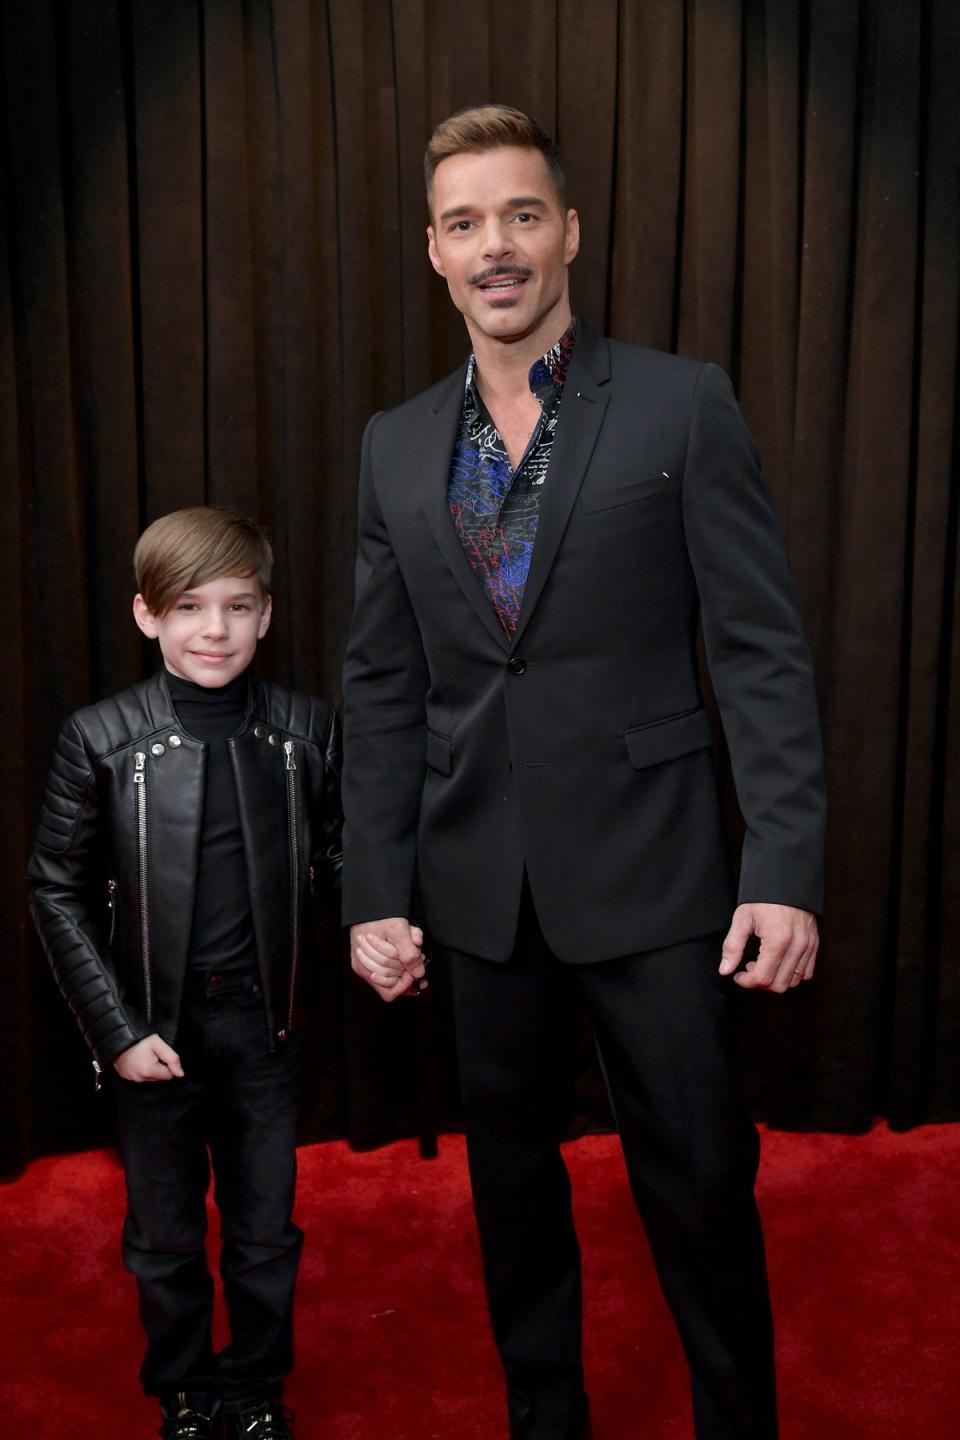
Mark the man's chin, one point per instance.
(505, 321)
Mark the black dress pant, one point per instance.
(236, 1106)
(691, 1153)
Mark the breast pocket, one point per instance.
(611, 497)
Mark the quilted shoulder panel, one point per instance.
(68, 783)
(87, 736)
(306, 716)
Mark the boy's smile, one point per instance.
(210, 633)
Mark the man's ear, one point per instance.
(265, 615)
(145, 618)
(571, 241)
(434, 253)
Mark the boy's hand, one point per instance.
(386, 953)
(151, 1059)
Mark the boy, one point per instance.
(184, 825)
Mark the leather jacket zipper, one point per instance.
(112, 907)
(140, 783)
(293, 827)
(112, 891)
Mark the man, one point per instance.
(525, 731)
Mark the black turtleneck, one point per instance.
(222, 934)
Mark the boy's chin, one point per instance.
(210, 677)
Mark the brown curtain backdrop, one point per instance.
(212, 271)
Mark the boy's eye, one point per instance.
(187, 605)
(239, 605)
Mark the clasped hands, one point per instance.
(388, 953)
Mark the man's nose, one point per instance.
(497, 241)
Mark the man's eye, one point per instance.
(524, 216)
(460, 225)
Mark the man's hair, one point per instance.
(487, 127)
(187, 548)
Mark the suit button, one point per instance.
(515, 665)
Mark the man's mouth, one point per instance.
(501, 283)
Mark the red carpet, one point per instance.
(864, 1243)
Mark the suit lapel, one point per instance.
(438, 449)
(582, 410)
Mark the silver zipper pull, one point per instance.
(112, 888)
(140, 761)
(291, 757)
(97, 1081)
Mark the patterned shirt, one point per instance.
(494, 507)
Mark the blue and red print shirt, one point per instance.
(494, 507)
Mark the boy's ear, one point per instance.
(145, 617)
(265, 614)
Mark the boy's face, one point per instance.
(210, 633)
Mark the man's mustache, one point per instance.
(495, 270)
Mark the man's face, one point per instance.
(210, 633)
(502, 243)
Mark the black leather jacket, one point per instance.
(113, 870)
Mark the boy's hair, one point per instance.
(189, 547)
(487, 127)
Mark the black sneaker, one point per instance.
(185, 1423)
(269, 1421)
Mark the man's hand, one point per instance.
(386, 953)
(151, 1059)
(788, 947)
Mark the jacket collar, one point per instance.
(161, 710)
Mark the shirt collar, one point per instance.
(546, 377)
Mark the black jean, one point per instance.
(691, 1153)
(236, 1106)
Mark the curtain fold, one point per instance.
(213, 271)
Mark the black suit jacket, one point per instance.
(580, 751)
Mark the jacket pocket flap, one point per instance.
(616, 495)
(439, 752)
(668, 739)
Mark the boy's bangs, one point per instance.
(191, 547)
